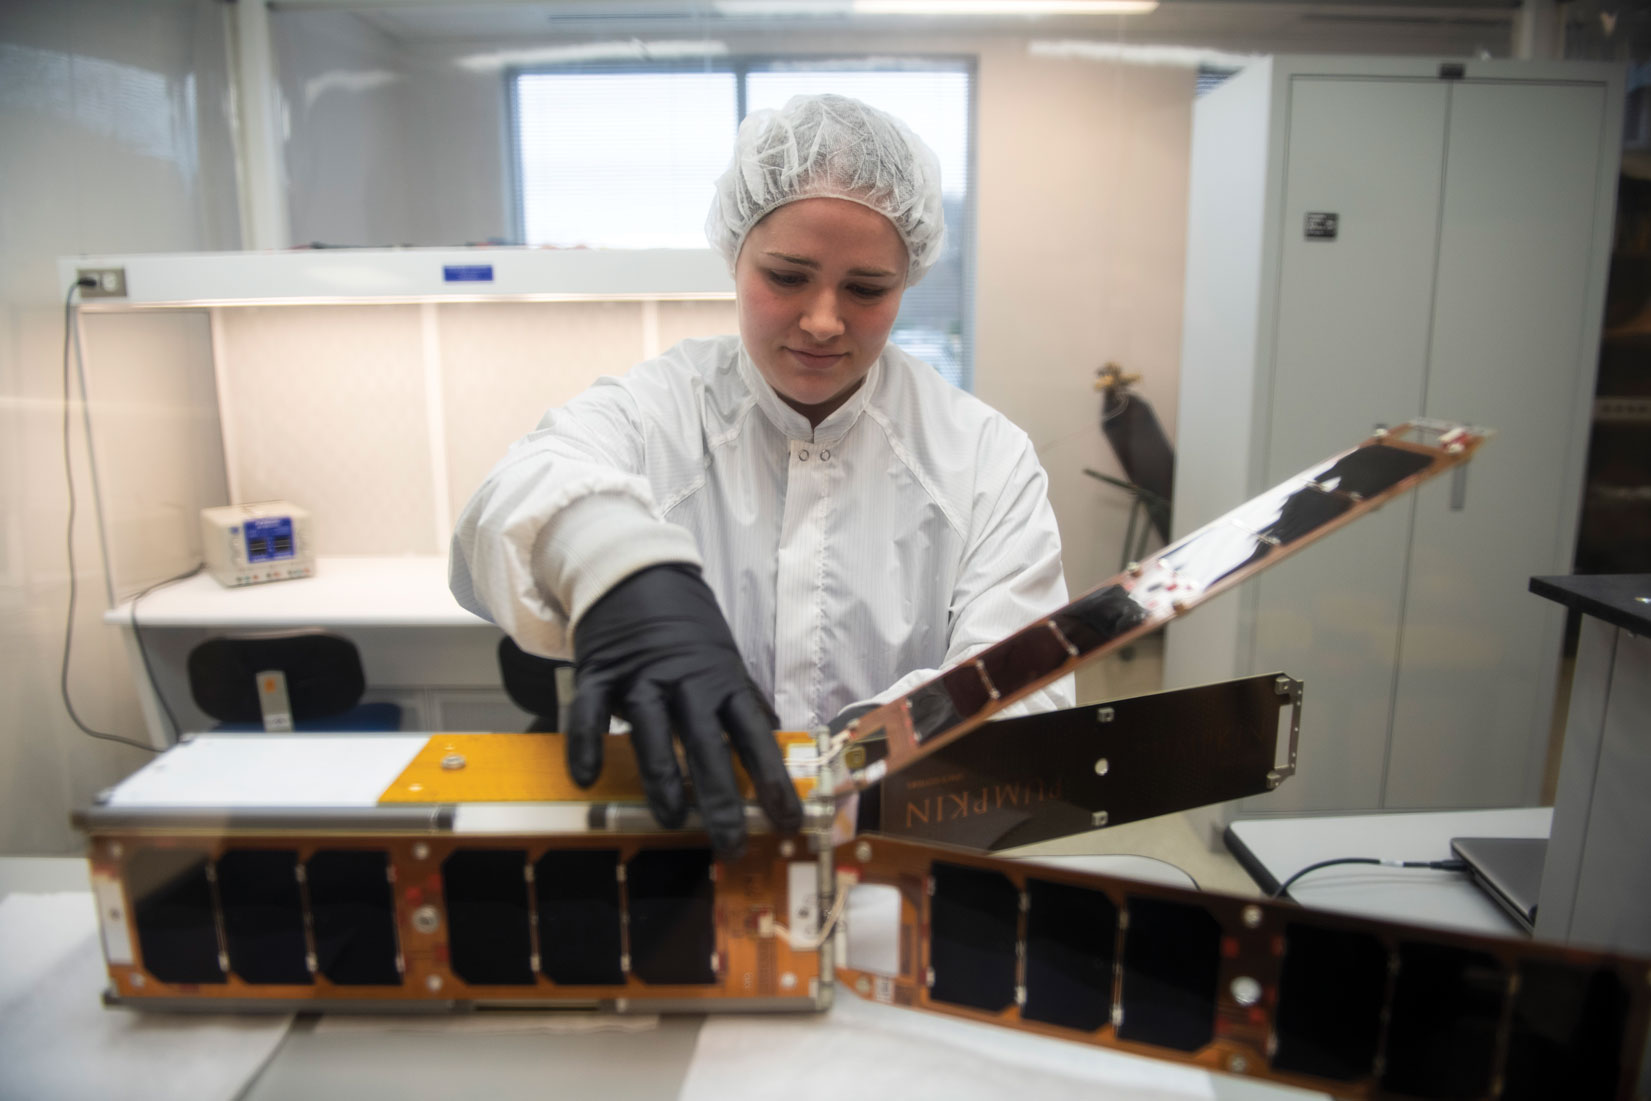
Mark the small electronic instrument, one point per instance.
(254, 543)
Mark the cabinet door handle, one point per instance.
(1459, 488)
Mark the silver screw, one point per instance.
(426, 920)
(1102, 767)
(421, 851)
(786, 850)
(115, 850)
(453, 762)
(1238, 1064)
(433, 982)
(1252, 917)
(138, 980)
(788, 981)
(1246, 991)
(862, 852)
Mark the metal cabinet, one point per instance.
(1372, 240)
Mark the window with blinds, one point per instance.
(625, 157)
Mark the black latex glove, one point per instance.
(656, 651)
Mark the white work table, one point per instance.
(408, 591)
(58, 1040)
(419, 649)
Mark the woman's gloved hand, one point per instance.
(656, 651)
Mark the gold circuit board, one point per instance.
(532, 768)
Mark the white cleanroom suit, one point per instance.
(852, 560)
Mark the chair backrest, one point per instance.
(322, 671)
(531, 683)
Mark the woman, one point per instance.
(800, 513)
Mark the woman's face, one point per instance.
(818, 284)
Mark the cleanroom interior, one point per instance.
(390, 127)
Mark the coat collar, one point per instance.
(794, 424)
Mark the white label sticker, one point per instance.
(111, 919)
(802, 914)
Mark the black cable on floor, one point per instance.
(143, 651)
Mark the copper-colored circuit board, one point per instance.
(750, 960)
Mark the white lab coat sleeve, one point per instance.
(515, 562)
(1011, 575)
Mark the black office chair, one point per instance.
(531, 683)
(302, 681)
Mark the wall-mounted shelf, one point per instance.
(344, 276)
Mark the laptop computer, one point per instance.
(1509, 869)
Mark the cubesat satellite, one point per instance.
(405, 872)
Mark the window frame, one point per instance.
(740, 66)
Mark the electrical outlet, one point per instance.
(111, 282)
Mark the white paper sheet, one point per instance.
(490, 1022)
(862, 1049)
(36, 933)
(58, 1040)
(261, 770)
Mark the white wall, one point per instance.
(381, 420)
(1083, 209)
(115, 140)
(345, 117)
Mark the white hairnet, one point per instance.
(830, 146)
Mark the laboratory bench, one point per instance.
(419, 648)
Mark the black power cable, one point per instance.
(69, 474)
(1442, 865)
(143, 650)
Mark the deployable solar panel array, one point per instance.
(1352, 1006)
(1144, 597)
(1037, 777)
